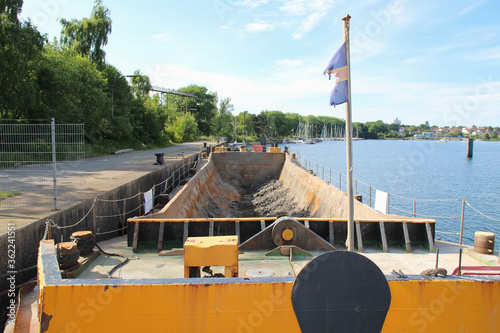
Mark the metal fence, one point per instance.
(41, 163)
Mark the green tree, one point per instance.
(292, 122)
(73, 90)
(424, 127)
(20, 50)
(360, 129)
(394, 127)
(141, 84)
(277, 125)
(121, 97)
(486, 136)
(376, 128)
(261, 125)
(223, 122)
(183, 128)
(494, 135)
(88, 36)
(148, 118)
(456, 132)
(203, 107)
(244, 124)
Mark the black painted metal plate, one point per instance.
(341, 292)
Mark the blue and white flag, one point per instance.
(338, 67)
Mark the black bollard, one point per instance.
(159, 159)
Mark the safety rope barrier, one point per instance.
(484, 215)
(181, 175)
(54, 225)
(110, 232)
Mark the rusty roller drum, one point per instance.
(67, 254)
(484, 242)
(84, 240)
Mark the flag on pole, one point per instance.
(338, 67)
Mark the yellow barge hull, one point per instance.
(454, 304)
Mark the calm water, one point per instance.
(423, 170)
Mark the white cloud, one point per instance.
(258, 27)
(413, 60)
(296, 7)
(314, 12)
(252, 3)
(289, 63)
(269, 92)
(485, 54)
(472, 7)
(305, 91)
(160, 37)
(308, 24)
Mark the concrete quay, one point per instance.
(103, 173)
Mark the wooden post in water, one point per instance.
(462, 221)
(470, 146)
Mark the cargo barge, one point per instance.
(211, 261)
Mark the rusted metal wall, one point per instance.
(211, 186)
(319, 197)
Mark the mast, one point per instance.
(348, 140)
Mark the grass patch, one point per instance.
(4, 195)
(106, 149)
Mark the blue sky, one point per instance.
(426, 60)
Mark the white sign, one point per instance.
(148, 201)
(381, 201)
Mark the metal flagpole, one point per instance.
(348, 140)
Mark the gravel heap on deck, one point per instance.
(273, 199)
(267, 199)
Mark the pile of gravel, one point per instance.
(266, 199)
(273, 199)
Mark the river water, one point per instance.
(437, 175)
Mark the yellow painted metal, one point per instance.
(212, 251)
(444, 306)
(417, 306)
(220, 149)
(441, 305)
(274, 149)
(249, 307)
(287, 234)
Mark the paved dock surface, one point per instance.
(103, 173)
